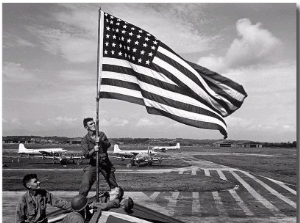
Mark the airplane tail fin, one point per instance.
(178, 145)
(21, 148)
(116, 148)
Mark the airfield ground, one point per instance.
(194, 184)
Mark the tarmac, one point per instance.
(254, 199)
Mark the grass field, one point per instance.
(276, 163)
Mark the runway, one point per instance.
(254, 199)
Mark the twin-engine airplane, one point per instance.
(165, 148)
(131, 153)
(43, 152)
(137, 156)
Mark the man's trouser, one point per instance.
(90, 176)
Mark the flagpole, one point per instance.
(97, 106)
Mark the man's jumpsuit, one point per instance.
(105, 166)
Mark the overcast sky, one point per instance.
(49, 67)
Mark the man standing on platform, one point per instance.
(91, 146)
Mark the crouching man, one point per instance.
(32, 205)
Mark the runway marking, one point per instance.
(283, 185)
(194, 169)
(196, 203)
(236, 197)
(274, 210)
(172, 202)
(154, 195)
(219, 204)
(217, 199)
(272, 191)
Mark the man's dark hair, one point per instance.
(27, 178)
(86, 120)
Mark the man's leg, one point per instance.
(88, 179)
(109, 175)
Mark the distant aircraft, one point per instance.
(131, 153)
(165, 148)
(44, 152)
(137, 157)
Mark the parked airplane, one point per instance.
(131, 153)
(165, 148)
(143, 158)
(137, 157)
(43, 152)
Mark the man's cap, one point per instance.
(79, 202)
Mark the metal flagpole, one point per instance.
(97, 107)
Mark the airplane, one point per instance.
(131, 153)
(165, 148)
(44, 152)
(144, 158)
(137, 156)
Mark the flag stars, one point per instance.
(155, 42)
(105, 52)
(134, 50)
(107, 28)
(107, 36)
(138, 36)
(140, 60)
(112, 52)
(145, 45)
(123, 31)
(153, 47)
(106, 43)
(130, 34)
(113, 44)
(114, 36)
(147, 62)
(150, 54)
(124, 26)
(142, 52)
(128, 40)
(136, 42)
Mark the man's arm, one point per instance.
(58, 202)
(105, 144)
(107, 206)
(85, 149)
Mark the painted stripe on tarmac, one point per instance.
(283, 185)
(272, 191)
(219, 204)
(274, 210)
(196, 203)
(172, 203)
(154, 195)
(236, 197)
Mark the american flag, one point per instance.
(136, 67)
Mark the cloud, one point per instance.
(10, 40)
(74, 37)
(143, 122)
(254, 46)
(16, 122)
(14, 72)
(75, 75)
(113, 122)
(59, 121)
